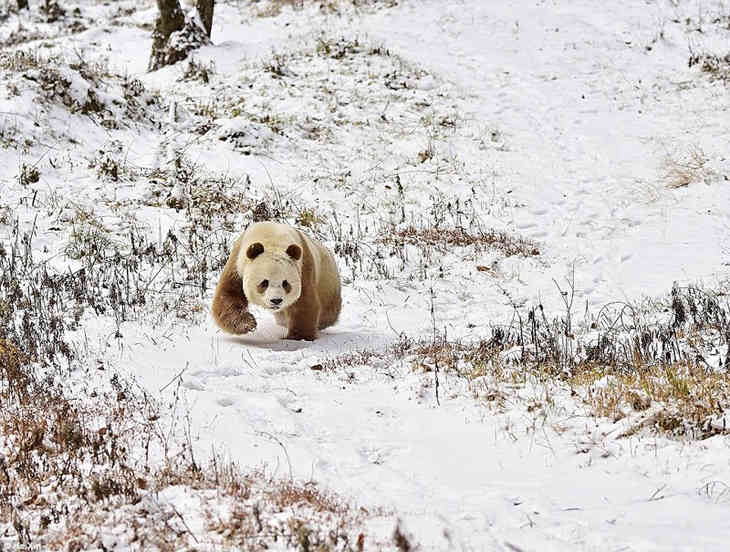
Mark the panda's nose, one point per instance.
(277, 301)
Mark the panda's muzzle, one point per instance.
(276, 302)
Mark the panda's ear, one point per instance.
(254, 250)
(294, 251)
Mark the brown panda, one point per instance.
(283, 270)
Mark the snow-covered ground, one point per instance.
(562, 122)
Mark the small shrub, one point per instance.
(198, 71)
(107, 167)
(427, 154)
(29, 174)
(88, 238)
(718, 67)
(6, 214)
(277, 65)
(308, 218)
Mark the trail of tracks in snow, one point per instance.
(589, 117)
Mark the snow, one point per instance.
(565, 114)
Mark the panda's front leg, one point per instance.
(241, 321)
(230, 307)
(230, 304)
(282, 319)
(304, 319)
(235, 318)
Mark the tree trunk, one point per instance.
(169, 20)
(175, 36)
(205, 10)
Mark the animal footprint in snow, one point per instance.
(225, 401)
(291, 404)
(526, 224)
(193, 384)
(373, 455)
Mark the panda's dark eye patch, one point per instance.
(286, 286)
(264, 284)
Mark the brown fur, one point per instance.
(319, 302)
(230, 306)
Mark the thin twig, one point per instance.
(187, 364)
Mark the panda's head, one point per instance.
(271, 278)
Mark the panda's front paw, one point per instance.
(240, 322)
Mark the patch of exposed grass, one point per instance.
(686, 169)
(110, 99)
(74, 472)
(29, 174)
(445, 239)
(209, 202)
(23, 60)
(682, 398)
(658, 377)
(88, 237)
(273, 8)
(68, 483)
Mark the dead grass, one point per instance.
(716, 66)
(686, 169)
(308, 218)
(273, 8)
(208, 201)
(111, 99)
(681, 399)
(50, 443)
(88, 237)
(6, 214)
(29, 174)
(76, 470)
(445, 239)
(196, 70)
(23, 60)
(654, 376)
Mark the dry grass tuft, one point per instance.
(287, 495)
(75, 474)
(22, 60)
(444, 239)
(6, 214)
(681, 399)
(689, 168)
(716, 66)
(273, 8)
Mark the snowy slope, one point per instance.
(559, 122)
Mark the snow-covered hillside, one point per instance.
(529, 202)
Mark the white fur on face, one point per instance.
(275, 270)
